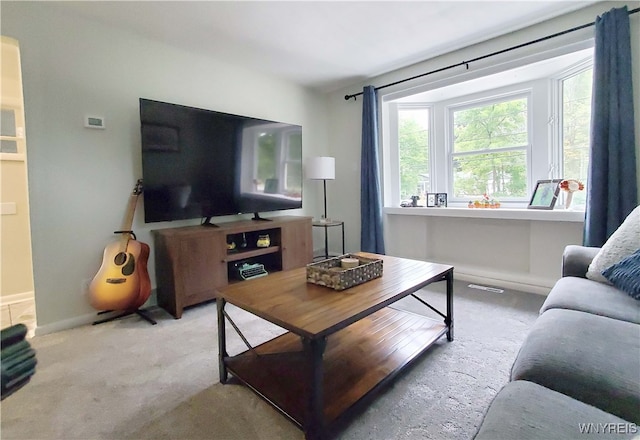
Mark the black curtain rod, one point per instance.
(466, 63)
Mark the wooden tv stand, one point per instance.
(192, 262)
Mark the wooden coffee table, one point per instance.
(340, 346)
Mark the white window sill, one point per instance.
(556, 215)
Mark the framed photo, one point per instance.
(441, 199)
(545, 194)
(431, 200)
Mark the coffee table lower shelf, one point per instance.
(357, 359)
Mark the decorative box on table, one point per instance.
(329, 272)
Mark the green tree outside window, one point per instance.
(489, 150)
(576, 123)
(413, 146)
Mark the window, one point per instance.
(489, 149)
(575, 133)
(413, 151)
(496, 134)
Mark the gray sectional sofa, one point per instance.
(577, 374)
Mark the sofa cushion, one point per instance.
(625, 275)
(622, 243)
(592, 297)
(524, 410)
(591, 358)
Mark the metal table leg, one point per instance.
(222, 341)
(314, 412)
(449, 319)
(326, 242)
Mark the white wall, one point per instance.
(80, 179)
(523, 254)
(532, 247)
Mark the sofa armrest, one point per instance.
(576, 260)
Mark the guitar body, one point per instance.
(122, 283)
(144, 288)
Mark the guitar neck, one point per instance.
(128, 219)
(131, 208)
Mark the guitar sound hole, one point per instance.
(120, 258)
(130, 267)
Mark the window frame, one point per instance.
(557, 116)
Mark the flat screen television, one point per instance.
(199, 163)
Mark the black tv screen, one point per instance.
(199, 163)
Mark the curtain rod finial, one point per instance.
(348, 97)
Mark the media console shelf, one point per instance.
(192, 262)
(244, 255)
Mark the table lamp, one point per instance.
(322, 168)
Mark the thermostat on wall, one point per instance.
(94, 122)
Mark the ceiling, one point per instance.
(325, 45)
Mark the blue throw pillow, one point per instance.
(625, 274)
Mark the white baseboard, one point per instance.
(525, 283)
(65, 324)
(6, 300)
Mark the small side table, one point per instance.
(326, 225)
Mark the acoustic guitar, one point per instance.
(122, 283)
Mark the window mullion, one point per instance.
(490, 150)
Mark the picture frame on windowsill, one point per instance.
(545, 194)
(441, 200)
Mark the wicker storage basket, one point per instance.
(329, 273)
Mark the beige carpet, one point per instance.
(129, 380)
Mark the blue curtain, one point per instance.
(372, 239)
(612, 192)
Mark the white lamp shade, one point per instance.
(321, 168)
